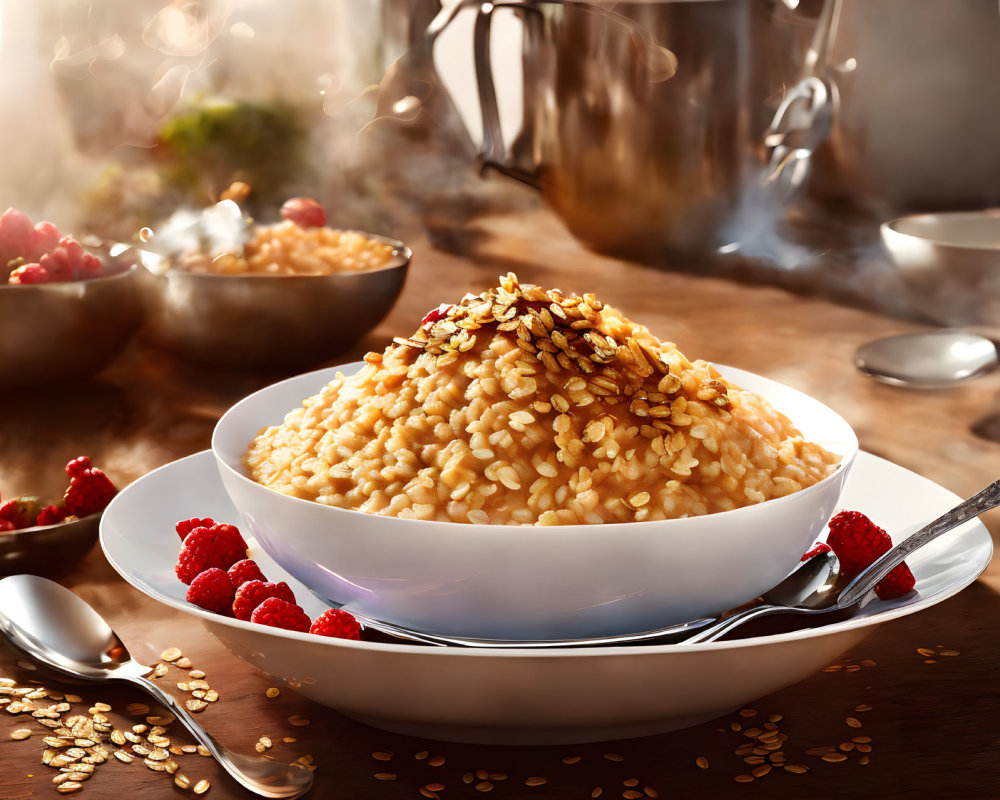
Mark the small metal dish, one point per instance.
(48, 549)
(950, 263)
(277, 323)
(65, 331)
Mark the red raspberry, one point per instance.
(22, 511)
(52, 514)
(857, 541)
(217, 546)
(185, 526)
(897, 583)
(435, 315)
(337, 623)
(212, 590)
(6, 525)
(252, 593)
(818, 549)
(280, 613)
(304, 212)
(245, 570)
(78, 465)
(29, 273)
(90, 490)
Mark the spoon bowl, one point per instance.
(930, 360)
(53, 627)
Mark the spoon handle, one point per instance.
(261, 776)
(724, 626)
(869, 578)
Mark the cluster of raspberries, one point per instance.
(221, 578)
(40, 253)
(857, 542)
(89, 491)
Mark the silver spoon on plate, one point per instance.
(53, 627)
(811, 591)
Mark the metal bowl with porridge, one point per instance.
(528, 406)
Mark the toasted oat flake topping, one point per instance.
(527, 406)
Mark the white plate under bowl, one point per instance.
(531, 582)
(558, 696)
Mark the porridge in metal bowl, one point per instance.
(526, 406)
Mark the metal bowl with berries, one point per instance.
(66, 310)
(46, 538)
(223, 291)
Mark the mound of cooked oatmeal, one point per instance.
(523, 405)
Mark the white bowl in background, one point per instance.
(524, 582)
(551, 696)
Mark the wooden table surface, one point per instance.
(929, 678)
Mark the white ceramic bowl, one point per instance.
(950, 263)
(519, 696)
(498, 581)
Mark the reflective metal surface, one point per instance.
(54, 627)
(950, 265)
(930, 360)
(918, 106)
(48, 549)
(279, 323)
(849, 600)
(56, 332)
(807, 586)
(643, 123)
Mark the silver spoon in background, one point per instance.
(55, 628)
(928, 360)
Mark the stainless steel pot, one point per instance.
(643, 123)
(917, 105)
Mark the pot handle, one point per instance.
(493, 153)
(804, 118)
(800, 125)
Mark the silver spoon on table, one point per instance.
(53, 627)
(929, 360)
(811, 591)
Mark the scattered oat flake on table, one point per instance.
(535, 780)
(171, 654)
(272, 692)
(949, 653)
(298, 721)
(21, 733)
